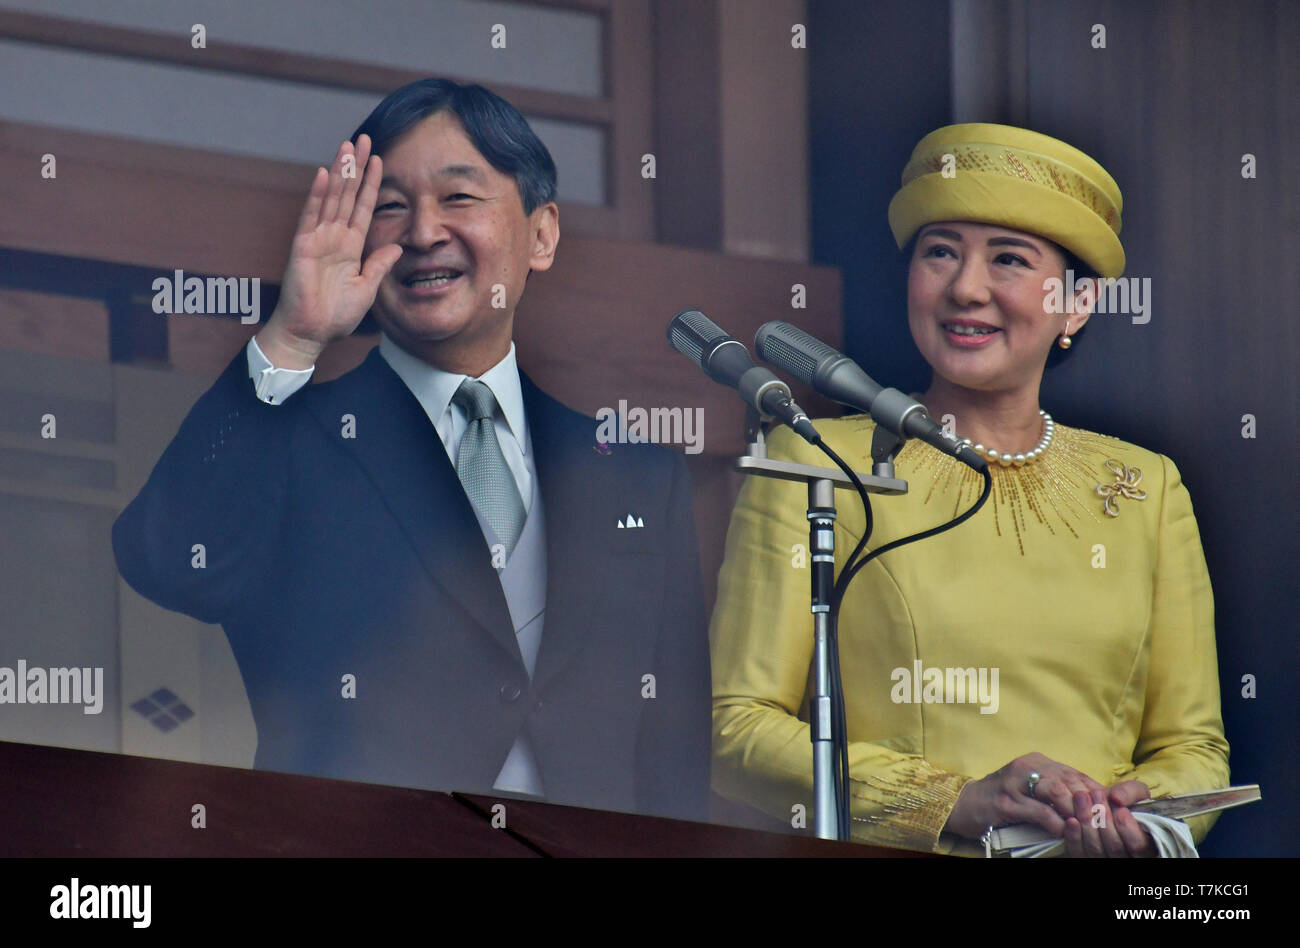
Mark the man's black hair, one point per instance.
(495, 127)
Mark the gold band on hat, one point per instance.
(1014, 178)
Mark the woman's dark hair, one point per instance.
(1080, 270)
(495, 127)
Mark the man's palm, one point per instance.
(326, 290)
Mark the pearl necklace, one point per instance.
(1017, 460)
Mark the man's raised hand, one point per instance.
(326, 290)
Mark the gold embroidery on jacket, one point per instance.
(915, 812)
(1048, 491)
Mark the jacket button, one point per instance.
(538, 706)
(510, 691)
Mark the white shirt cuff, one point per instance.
(273, 385)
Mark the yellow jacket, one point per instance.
(1100, 629)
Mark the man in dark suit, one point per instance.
(429, 572)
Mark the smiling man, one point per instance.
(418, 565)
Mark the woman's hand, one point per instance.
(1104, 826)
(1004, 797)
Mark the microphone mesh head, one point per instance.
(691, 331)
(790, 348)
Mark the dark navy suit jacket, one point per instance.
(329, 556)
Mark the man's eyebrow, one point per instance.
(462, 171)
(469, 172)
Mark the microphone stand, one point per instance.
(822, 483)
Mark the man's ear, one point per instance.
(545, 225)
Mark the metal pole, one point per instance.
(821, 543)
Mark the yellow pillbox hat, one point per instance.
(1014, 178)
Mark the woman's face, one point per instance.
(976, 304)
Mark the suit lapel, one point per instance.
(581, 575)
(401, 452)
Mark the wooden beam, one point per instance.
(630, 74)
(277, 64)
(592, 6)
(190, 201)
(688, 124)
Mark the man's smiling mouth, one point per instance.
(431, 278)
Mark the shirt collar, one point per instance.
(434, 388)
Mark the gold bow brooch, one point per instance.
(1126, 485)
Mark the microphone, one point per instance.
(727, 361)
(838, 377)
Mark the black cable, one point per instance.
(839, 729)
(841, 587)
(848, 574)
(839, 732)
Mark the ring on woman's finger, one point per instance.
(1034, 777)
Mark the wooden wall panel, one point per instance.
(66, 326)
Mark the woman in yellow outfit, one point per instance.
(1079, 592)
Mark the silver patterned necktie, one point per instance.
(482, 467)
